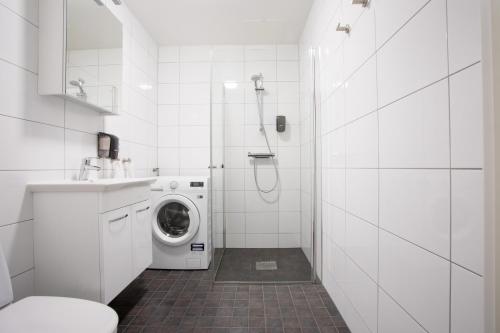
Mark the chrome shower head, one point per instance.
(258, 80)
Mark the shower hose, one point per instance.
(260, 106)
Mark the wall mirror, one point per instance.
(91, 68)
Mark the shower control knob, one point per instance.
(174, 185)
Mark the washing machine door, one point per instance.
(176, 220)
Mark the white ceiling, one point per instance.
(184, 22)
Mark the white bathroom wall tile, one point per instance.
(234, 158)
(262, 223)
(168, 115)
(365, 81)
(195, 53)
(291, 112)
(361, 42)
(232, 92)
(290, 137)
(401, 70)
(194, 136)
(194, 115)
(168, 158)
(111, 56)
(194, 158)
(20, 99)
(23, 285)
(288, 92)
(288, 71)
(235, 223)
(168, 94)
(393, 319)
(261, 241)
(168, 72)
(362, 292)
(287, 241)
(255, 138)
(254, 202)
(288, 157)
(414, 132)
(17, 244)
(78, 118)
(235, 179)
(269, 116)
(168, 136)
(335, 193)
(335, 154)
(466, 106)
(235, 240)
(194, 72)
(28, 9)
(226, 53)
(415, 204)
(265, 176)
(464, 40)
(229, 72)
(77, 146)
(362, 193)
(37, 146)
(467, 301)
(169, 172)
(391, 15)
(467, 219)
(289, 222)
(234, 136)
(289, 201)
(194, 93)
(235, 201)
(168, 54)
(290, 179)
(287, 52)
(418, 280)
(19, 40)
(362, 245)
(362, 142)
(260, 53)
(267, 68)
(17, 199)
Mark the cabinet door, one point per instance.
(142, 246)
(116, 252)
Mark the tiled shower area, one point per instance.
(207, 104)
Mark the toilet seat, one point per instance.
(43, 314)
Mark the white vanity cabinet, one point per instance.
(90, 243)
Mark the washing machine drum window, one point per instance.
(173, 219)
(176, 220)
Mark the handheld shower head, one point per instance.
(258, 80)
(79, 84)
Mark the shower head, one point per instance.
(258, 80)
(79, 84)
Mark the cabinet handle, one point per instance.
(119, 218)
(143, 210)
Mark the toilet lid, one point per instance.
(57, 315)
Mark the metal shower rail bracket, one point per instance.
(261, 155)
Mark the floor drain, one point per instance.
(266, 265)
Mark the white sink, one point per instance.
(98, 185)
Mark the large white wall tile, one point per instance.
(30, 146)
(362, 245)
(418, 280)
(17, 244)
(467, 219)
(362, 193)
(415, 204)
(464, 40)
(467, 301)
(393, 319)
(466, 106)
(402, 68)
(362, 142)
(414, 132)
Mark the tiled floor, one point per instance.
(188, 301)
(240, 265)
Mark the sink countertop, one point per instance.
(98, 185)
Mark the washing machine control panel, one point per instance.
(174, 185)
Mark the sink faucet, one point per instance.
(86, 166)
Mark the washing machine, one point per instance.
(181, 223)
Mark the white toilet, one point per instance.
(43, 314)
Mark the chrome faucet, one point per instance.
(86, 166)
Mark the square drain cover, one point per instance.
(266, 265)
